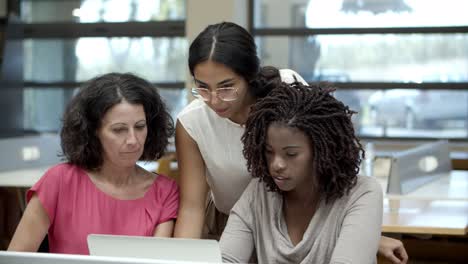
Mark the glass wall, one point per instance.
(68, 42)
(77, 60)
(404, 71)
(92, 11)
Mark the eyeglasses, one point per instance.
(226, 94)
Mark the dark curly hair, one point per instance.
(84, 113)
(326, 121)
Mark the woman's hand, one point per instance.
(392, 250)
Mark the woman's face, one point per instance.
(289, 158)
(212, 76)
(123, 134)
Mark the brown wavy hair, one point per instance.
(326, 121)
(84, 113)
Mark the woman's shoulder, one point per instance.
(257, 201)
(194, 108)
(165, 181)
(366, 187)
(254, 190)
(197, 115)
(62, 176)
(255, 185)
(291, 76)
(63, 170)
(366, 183)
(201, 122)
(165, 186)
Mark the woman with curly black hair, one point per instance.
(306, 203)
(228, 80)
(114, 121)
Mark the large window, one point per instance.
(160, 59)
(68, 42)
(402, 64)
(92, 11)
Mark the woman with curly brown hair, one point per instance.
(306, 203)
(114, 121)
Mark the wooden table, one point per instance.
(22, 178)
(438, 208)
(28, 177)
(437, 217)
(432, 221)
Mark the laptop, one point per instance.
(9, 257)
(418, 166)
(174, 249)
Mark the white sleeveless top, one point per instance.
(219, 141)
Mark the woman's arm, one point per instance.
(32, 227)
(193, 186)
(165, 229)
(237, 242)
(359, 236)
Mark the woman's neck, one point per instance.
(306, 198)
(298, 211)
(117, 176)
(241, 116)
(306, 193)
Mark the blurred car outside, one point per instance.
(413, 109)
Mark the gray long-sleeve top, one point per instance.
(345, 231)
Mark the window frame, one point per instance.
(73, 30)
(306, 32)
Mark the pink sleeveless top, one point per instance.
(76, 208)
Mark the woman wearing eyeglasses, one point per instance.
(228, 79)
